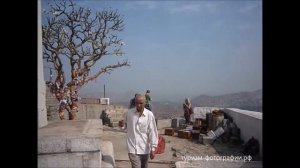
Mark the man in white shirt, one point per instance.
(142, 136)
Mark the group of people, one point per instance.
(142, 134)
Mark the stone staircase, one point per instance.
(115, 116)
(70, 144)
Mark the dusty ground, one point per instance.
(176, 149)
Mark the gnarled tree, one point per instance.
(75, 37)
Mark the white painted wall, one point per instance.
(42, 111)
(249, 122)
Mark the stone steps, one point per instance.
(70, 144)
(105, 164)
(151, 164)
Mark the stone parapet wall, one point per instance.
(250, 124)
(89, 111)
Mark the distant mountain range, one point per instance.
(242, 100)
(165, 109)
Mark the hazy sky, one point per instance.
(183, 49)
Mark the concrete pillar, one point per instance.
(42, 110)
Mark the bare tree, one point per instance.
(77, 36)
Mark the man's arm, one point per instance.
(153, 136)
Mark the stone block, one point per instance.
(165, 123)
(70, 136)
(53, 144)
(195, 134)
(58, 144)
(107, 152)
(211, 134)
(184, 134)
(207, 140)
(181, 122)
(115, 124)
(81, 159)
(83, 144)
(169, 131)
(175, 123)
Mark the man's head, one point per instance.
(148, 91)
(140, 102)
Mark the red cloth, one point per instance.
(161, 145)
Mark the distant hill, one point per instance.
(162, 110)
(242, 100)
(165, 109)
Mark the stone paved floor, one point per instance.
(176, 149)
